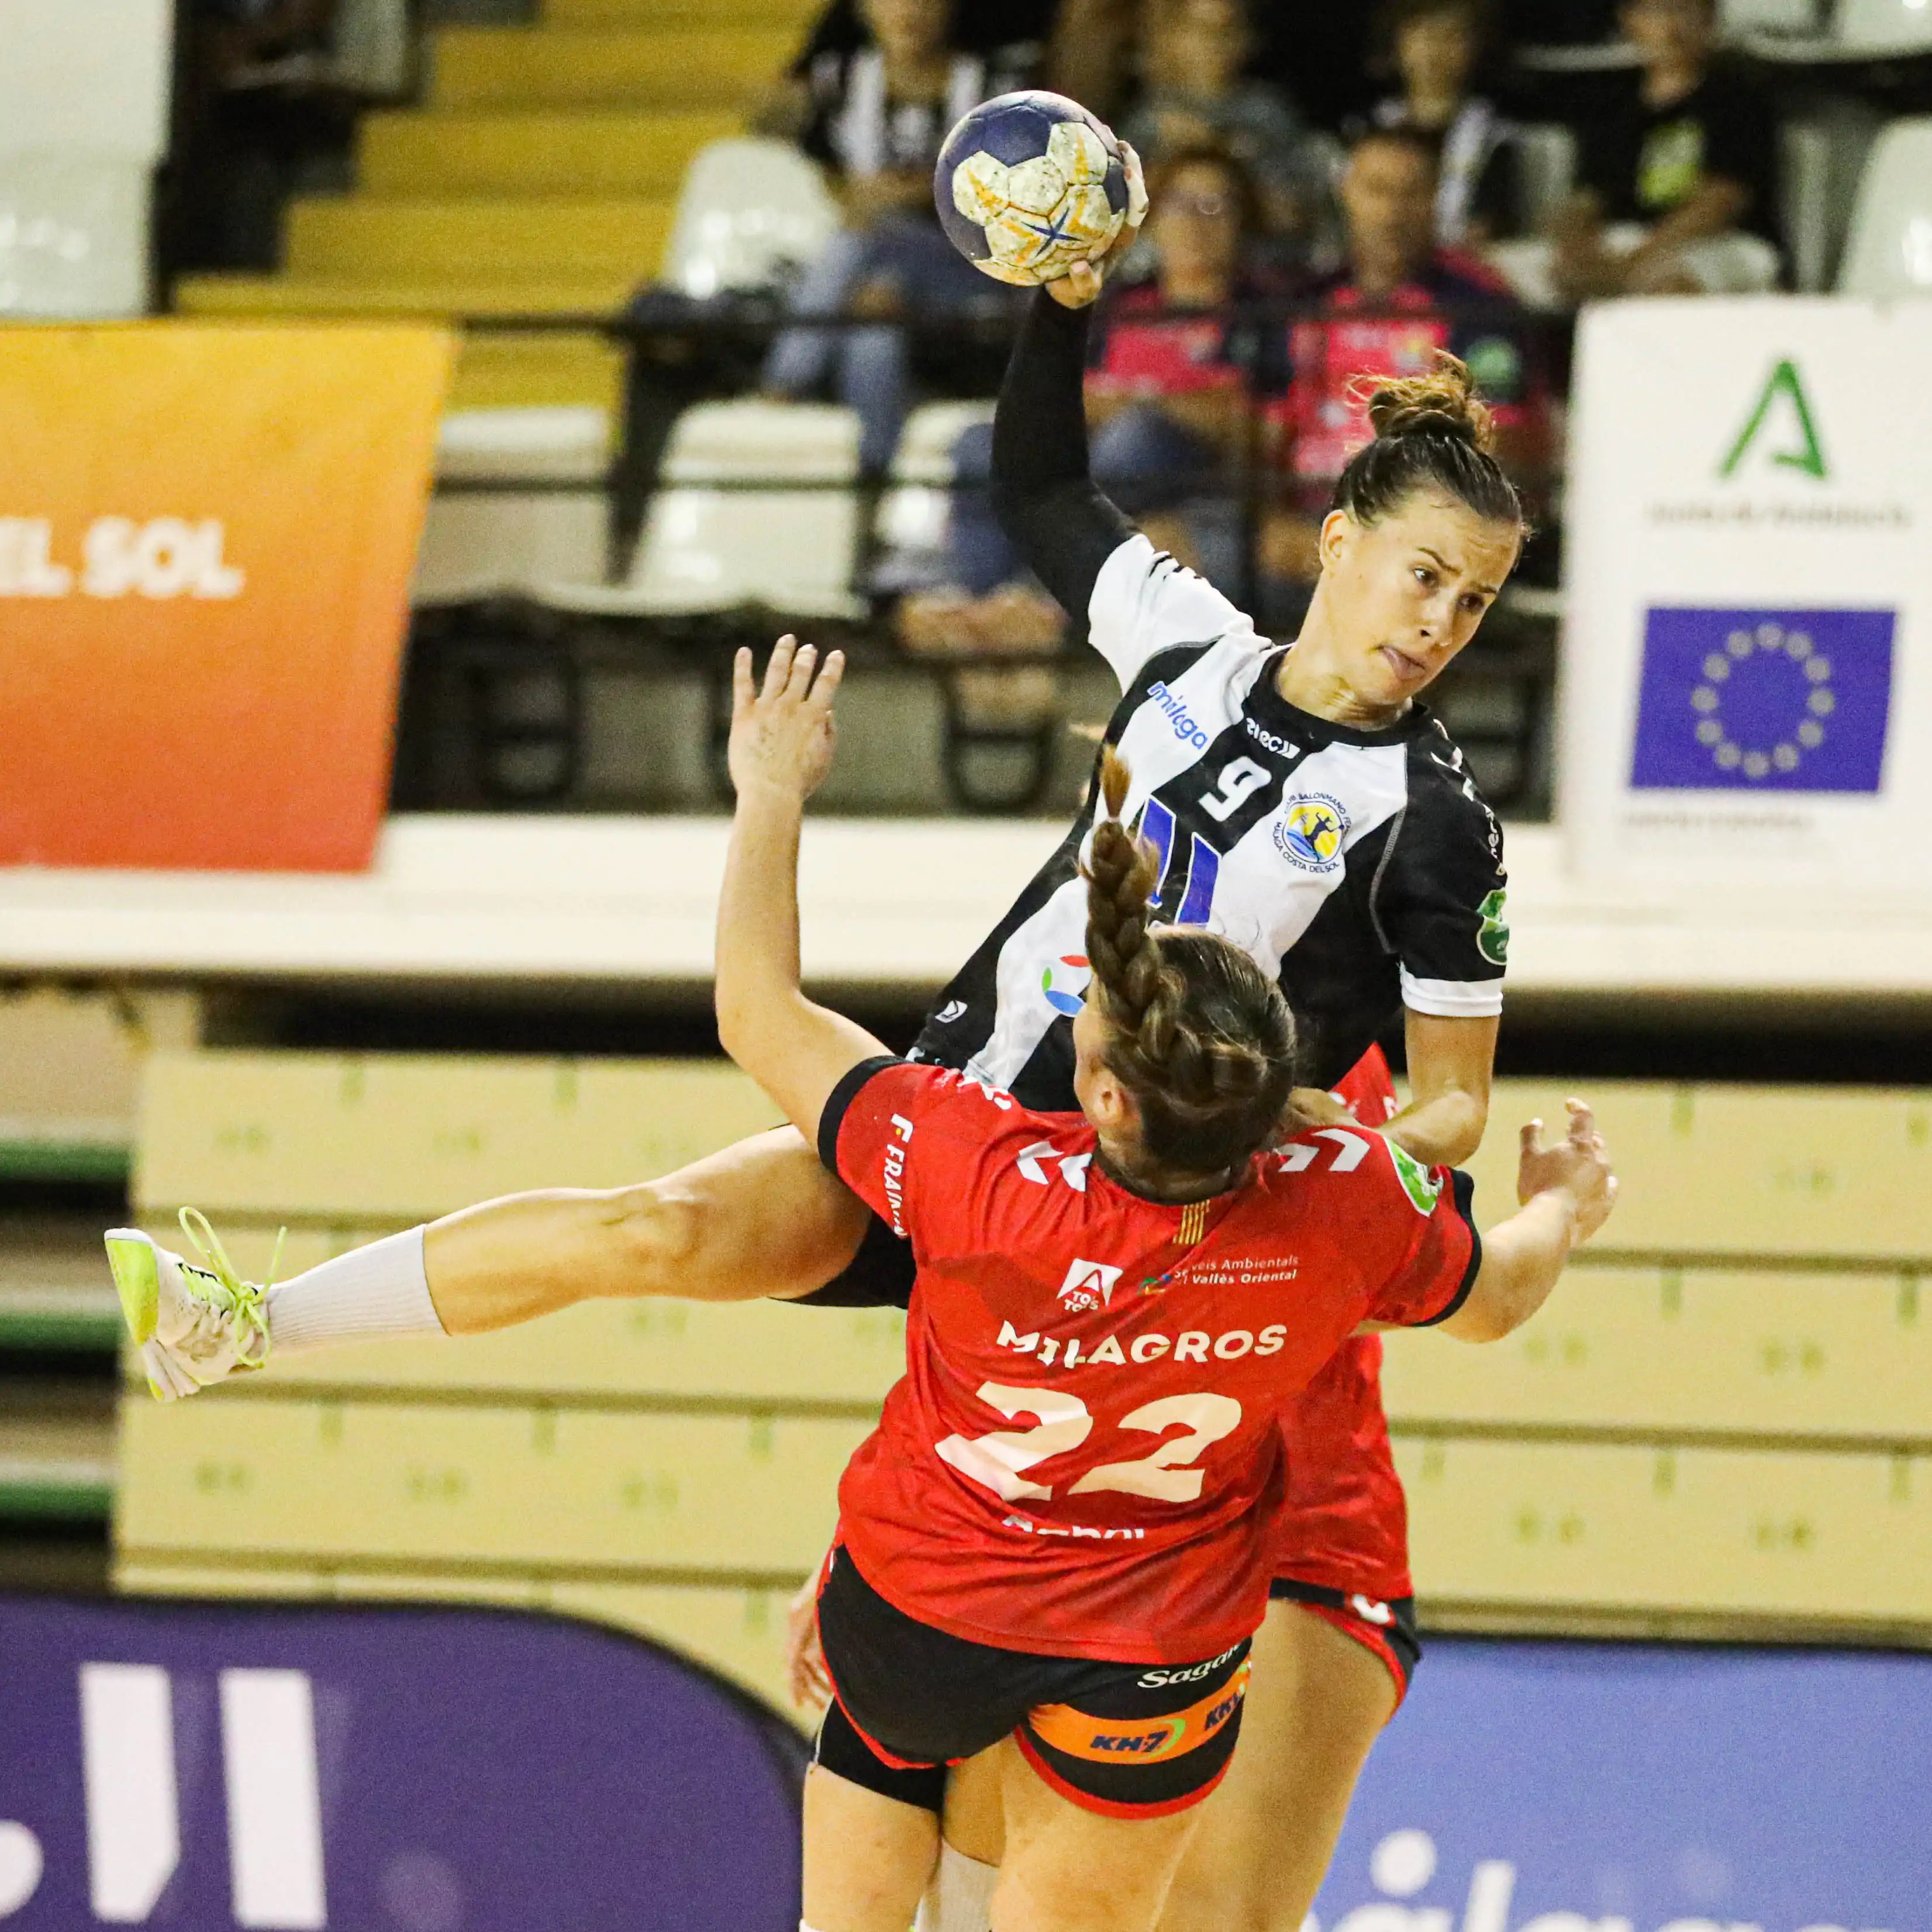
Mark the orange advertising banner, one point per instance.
(207, 533)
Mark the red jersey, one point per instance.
(1084, 1457)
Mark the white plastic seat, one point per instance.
(1884, 26)
(913, 513)
(1890, 251)
(74, 235)
(1737, 20)
(715, 540)
(496, 543)
(747, 209)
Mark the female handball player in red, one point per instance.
(1304, 805)
(1058, 1540)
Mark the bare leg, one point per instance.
(975, 1818)
(1051, 1879)
(1316, 1703)
(761, 1218)
(867, 1857)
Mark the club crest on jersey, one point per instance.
(1421, 1186)
(1310, 832)
(1088, 1285)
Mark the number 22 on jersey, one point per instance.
(1000, 1459)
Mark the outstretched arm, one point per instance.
(782, 746)
(1566, 1193)
(1047, 502)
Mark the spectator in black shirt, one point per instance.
(1443, 52)
(876, 117)
(1681, 155)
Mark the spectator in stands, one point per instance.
(1444, 53)
(1195, 95)
(1176, 377)
(876, 116)
(1677, 162)
(261, 112)
(1399, 297)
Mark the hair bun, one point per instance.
(1442, 402)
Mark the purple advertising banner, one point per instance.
(202, 1766)
(1548, 1787)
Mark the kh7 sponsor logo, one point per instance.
(1191, 1345)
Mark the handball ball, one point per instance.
(1029, 184)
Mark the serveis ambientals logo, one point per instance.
(161, 558)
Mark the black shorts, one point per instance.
(1130, 1740)
(879, 1276)
(1388, 1629)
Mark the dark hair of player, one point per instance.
(1433, 432)
(1198, 1034)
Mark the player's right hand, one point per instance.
(782, 736)
(1579, 1164)
(806, 1676)
(1082, 283)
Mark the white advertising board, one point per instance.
(85, 77)
(1747, 663)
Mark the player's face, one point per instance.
(1678, 33)
(1408, 592)
(910, 27)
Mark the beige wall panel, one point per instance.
(348, 1481)
(1649, 1348)
(1757, 1170)
(1837, 1535)
(403, 1137)
(739, 1634)
(758, 1352)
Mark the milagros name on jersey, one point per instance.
(1191, 1345)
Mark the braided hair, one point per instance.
(1198, 1034)
(1432, 432)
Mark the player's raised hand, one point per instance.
(1082, 283)
(782, 734)
(1579, 1164)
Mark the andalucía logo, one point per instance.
(1064, 983)
(1773, 701)
(1780, 428)
(1310, 832)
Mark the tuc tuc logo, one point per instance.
(1088, 1285)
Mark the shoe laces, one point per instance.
(228, 1293)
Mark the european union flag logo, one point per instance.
(1763, 701)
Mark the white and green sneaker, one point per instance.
(193, 1323)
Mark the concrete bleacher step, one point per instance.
(589, 152)
(295, 1481)
(326, 296)
(1698, 1350)
(795, 16)
(682, 69)
(369, 239)
(1768, 1533)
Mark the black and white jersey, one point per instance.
(1363, 868)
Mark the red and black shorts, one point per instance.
(1133, 1740)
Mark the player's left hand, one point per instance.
(1580, 1163)
(1082, 283)
(782, 734)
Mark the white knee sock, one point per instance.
(369, 1293)
(960, 1898)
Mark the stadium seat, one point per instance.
(1740, 18)
(1882, 27)
(715, 540)
(747, 208)
(1545, 153)
(491, 543)
(1890, 252)
(913, 512)
(74, 235)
